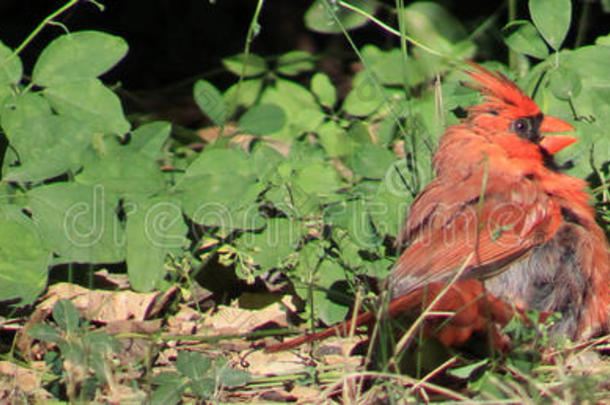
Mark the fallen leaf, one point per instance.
(133, 347)
(399, 149)
(275, 364)
(162, 301)
(210, 134)
(186, 322)
(123, 394)
(338, 349)
(304, 394)
(101, 305)
(282, 147)
(276, 396)
(131, 326)
(95, 305)
(120, 281)
(231, 320)
(166, 357)
(24, 379)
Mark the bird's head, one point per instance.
(508, 109)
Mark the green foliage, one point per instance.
(432, 25)
(324, 90)
(78, 222)
(85, 351)
(23, 257)
(521, 36)
(262, 119)
(323, 17)
(72, 128)
(294, 63)
(552, 18)
(155, 228)
(198, 374)
(78, 56)
(210, 101)
(245, 65)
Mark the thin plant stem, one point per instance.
(407, 336)
(432, 374)
(401, 379)
(402, 26)
(48, 20)
(583, 23)
(252, 32)
(512, 16)
(354, 47)
(391, 30)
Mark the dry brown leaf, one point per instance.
(94, 305)
(123, 394)
(134, 348)
(100, 305)
(165, 358)
(162, 301)
(275, 364)
(131, 326)
(276, 396)
(23, 340)
(121, 281)
(244, 141)
(24, 379)
(304, 394)
(106, 306)
(59, 291)
(282, 147)
(11, 324)
(210, 134)
(399, 149)
(338, 349)
(230, 320)
(186, 322)
(187, 313)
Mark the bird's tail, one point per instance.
(470, 310)
(341, 329)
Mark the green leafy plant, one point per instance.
(84, 359)
(197, 374)
(64, 124)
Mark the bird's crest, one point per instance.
(500, 93)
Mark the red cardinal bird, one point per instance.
(500, 212)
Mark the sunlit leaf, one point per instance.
(328, 19)
(210, 101)
(521, 36)
(77, 56)
(245, 65)
(552, 18)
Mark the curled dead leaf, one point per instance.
(231, 320)
(101, 305)
(23, 379)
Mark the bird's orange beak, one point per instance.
(552, 124)
(555, 143)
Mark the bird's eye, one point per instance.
(522, 126)
(527, 128)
